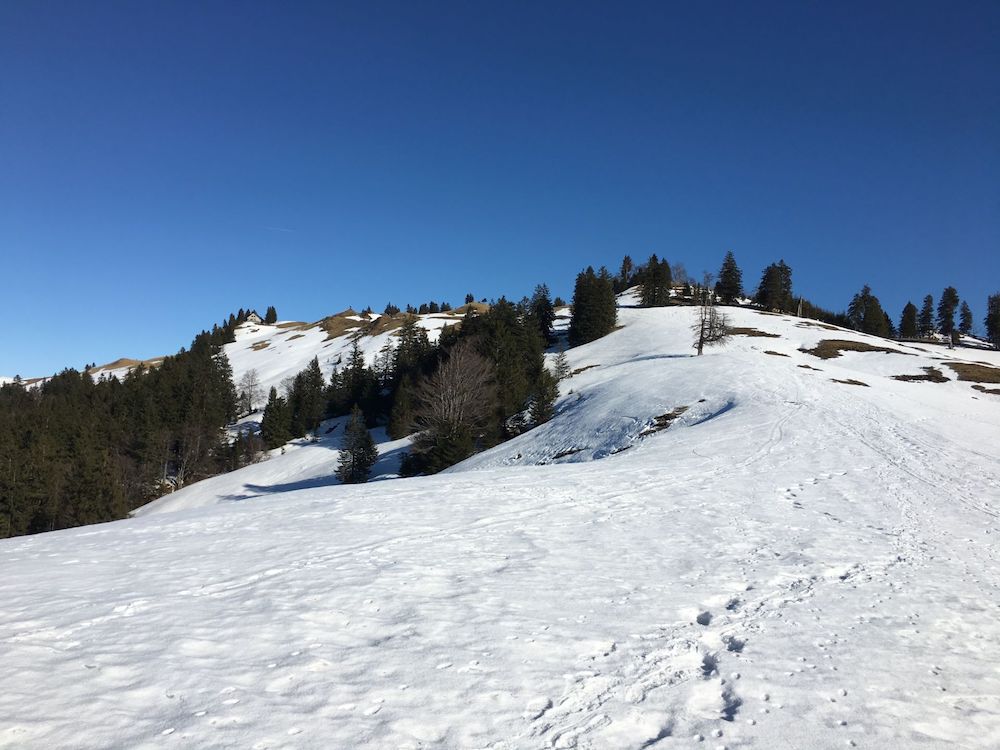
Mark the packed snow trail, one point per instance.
(793, 563)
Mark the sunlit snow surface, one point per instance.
(794, 563)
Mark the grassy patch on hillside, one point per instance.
(816, 324)
(337, 325)
(831, 348)
(260, 345)
(975, 373)
(578, 370)
(930, 375)
(810, 367)
(753, 333)
(984, 389)
(775, 354)
(849, 381)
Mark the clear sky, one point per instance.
(164, 163)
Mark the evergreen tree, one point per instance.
(775, 290)
(865, 314)
(307, 400)
(561, 365)
(358, 452)
(543, 403)
(275, 425)
(271, 316)
(542, 312)
(992, 320)
(730, 284)
(432, 308)
(965, 319)
(403, 414)
(947, 306)
(908, 326)
(469, 298)
(390, 310)
(594, 311)
(654, 289)
(926, 320)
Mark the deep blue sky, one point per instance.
(165, 163)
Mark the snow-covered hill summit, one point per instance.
(777, 544)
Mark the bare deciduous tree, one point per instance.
(710, 326)
(250, 391)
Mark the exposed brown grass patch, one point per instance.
(753, 333)
(578, 370)
(292, 324)
(775, 354)
(984, 389)
(975, 373)
(930, 375)
(260, 345)
(849, 381)
(337, 325)
(119, 363)
(831, 348)
(810, 367)
(385, 323)
(477, 307)
(296, 336)
(816, 324)
(663, 421)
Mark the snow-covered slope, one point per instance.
(793, 562)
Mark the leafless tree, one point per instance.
(459, 395)
(250, 391)
(711, 326)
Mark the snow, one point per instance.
(793, 562)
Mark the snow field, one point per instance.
(793, 562)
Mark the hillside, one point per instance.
(761, 547)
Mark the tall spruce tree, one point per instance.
(775, 289)
(992, 319)
(965, 322)
(865, 314)
(358, 452)
(276, 424)
(594, 311)
(925, 322)
(271, 316)
(947, 306)
(542, 312)
(654, 289)
(730, 284)
(908, 326)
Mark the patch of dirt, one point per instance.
(663, 421)
(810, 367)
(292, 324)
(753, 333)
(260, 345)
(578, 370)
(337, 325)
(296, 336)
(984, 389)
(477, 307)
(775, 354)
(849, 381)
(931, 375)
(831, 348)
(975, 373)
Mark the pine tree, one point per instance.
(625, 273)
(403, 413)
(925, 322)
(992, 320)
(730, 284)
(469, 298)
(542, 312)
(358, 452)
(654, 289)
(865, 314)
(543, 402)
(271, 316)
(275, 426)
(594, 311)
(561, 366)
(908, 326)
(965, 319)
(947, 306)
(775, 290)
